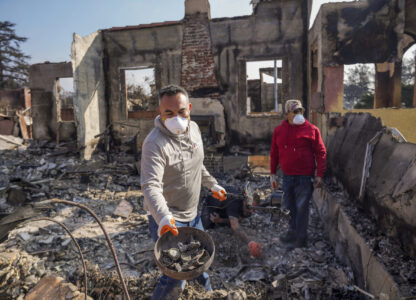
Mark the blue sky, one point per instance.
(49, 24)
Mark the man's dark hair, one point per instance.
(171, 90)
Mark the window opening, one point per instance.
(264, 85)
(359, 86)
(408, 77)
(65, 99)
(140, 91)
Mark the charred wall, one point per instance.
(361, 32)
(357, 32)
(42, 83)
(410, 18)
(274, 31)
(390, 189)
(158, 47)
(89, 100)
(11, 100)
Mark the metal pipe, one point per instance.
(76, 244)
(110, 244)
(276, 105)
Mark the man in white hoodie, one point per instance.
(172, 172)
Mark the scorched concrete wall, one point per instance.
(274, 31)
(42, 83)
(89, 101)
(156, 47)
(359, 32)
(389, 192)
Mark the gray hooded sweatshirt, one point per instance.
(172, 171)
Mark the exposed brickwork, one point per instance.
(198, 67)
(214, 163)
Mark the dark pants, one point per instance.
(169, 288)
(297, 193)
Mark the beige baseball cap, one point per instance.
(293, 104)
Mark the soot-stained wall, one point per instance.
(153, 46)
(390, 189)
(275, 30)
(360, 32)
(42, 83)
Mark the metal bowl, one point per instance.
(186, 234)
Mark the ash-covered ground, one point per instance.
(34, 249)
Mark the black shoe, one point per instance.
(288, 237)
(298, 243)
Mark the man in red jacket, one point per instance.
(298, 149)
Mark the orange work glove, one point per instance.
(218, 192)
(255, 249)
(167, 224)
(273, 181)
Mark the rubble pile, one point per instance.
(397, 262)
(30, 250)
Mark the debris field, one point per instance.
(31, 250)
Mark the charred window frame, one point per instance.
(64, 95)
(381, 85)
(138, 92)
(259, 92)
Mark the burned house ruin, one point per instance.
(209, 57)
(239, 72)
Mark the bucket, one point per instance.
(186, 235)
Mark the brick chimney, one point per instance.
(198, 67)
(197, 6)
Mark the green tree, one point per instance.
(408, 69)
(13, 62)
(139, 97)
(407, 95)
(366, 101)
(359, 81)
(408, 79)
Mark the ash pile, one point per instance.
(34, 254)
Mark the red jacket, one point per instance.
(298, 149)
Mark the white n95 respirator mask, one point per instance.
(299, 119)
(177, 125)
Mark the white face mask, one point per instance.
(298, 119)
(177, 125)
